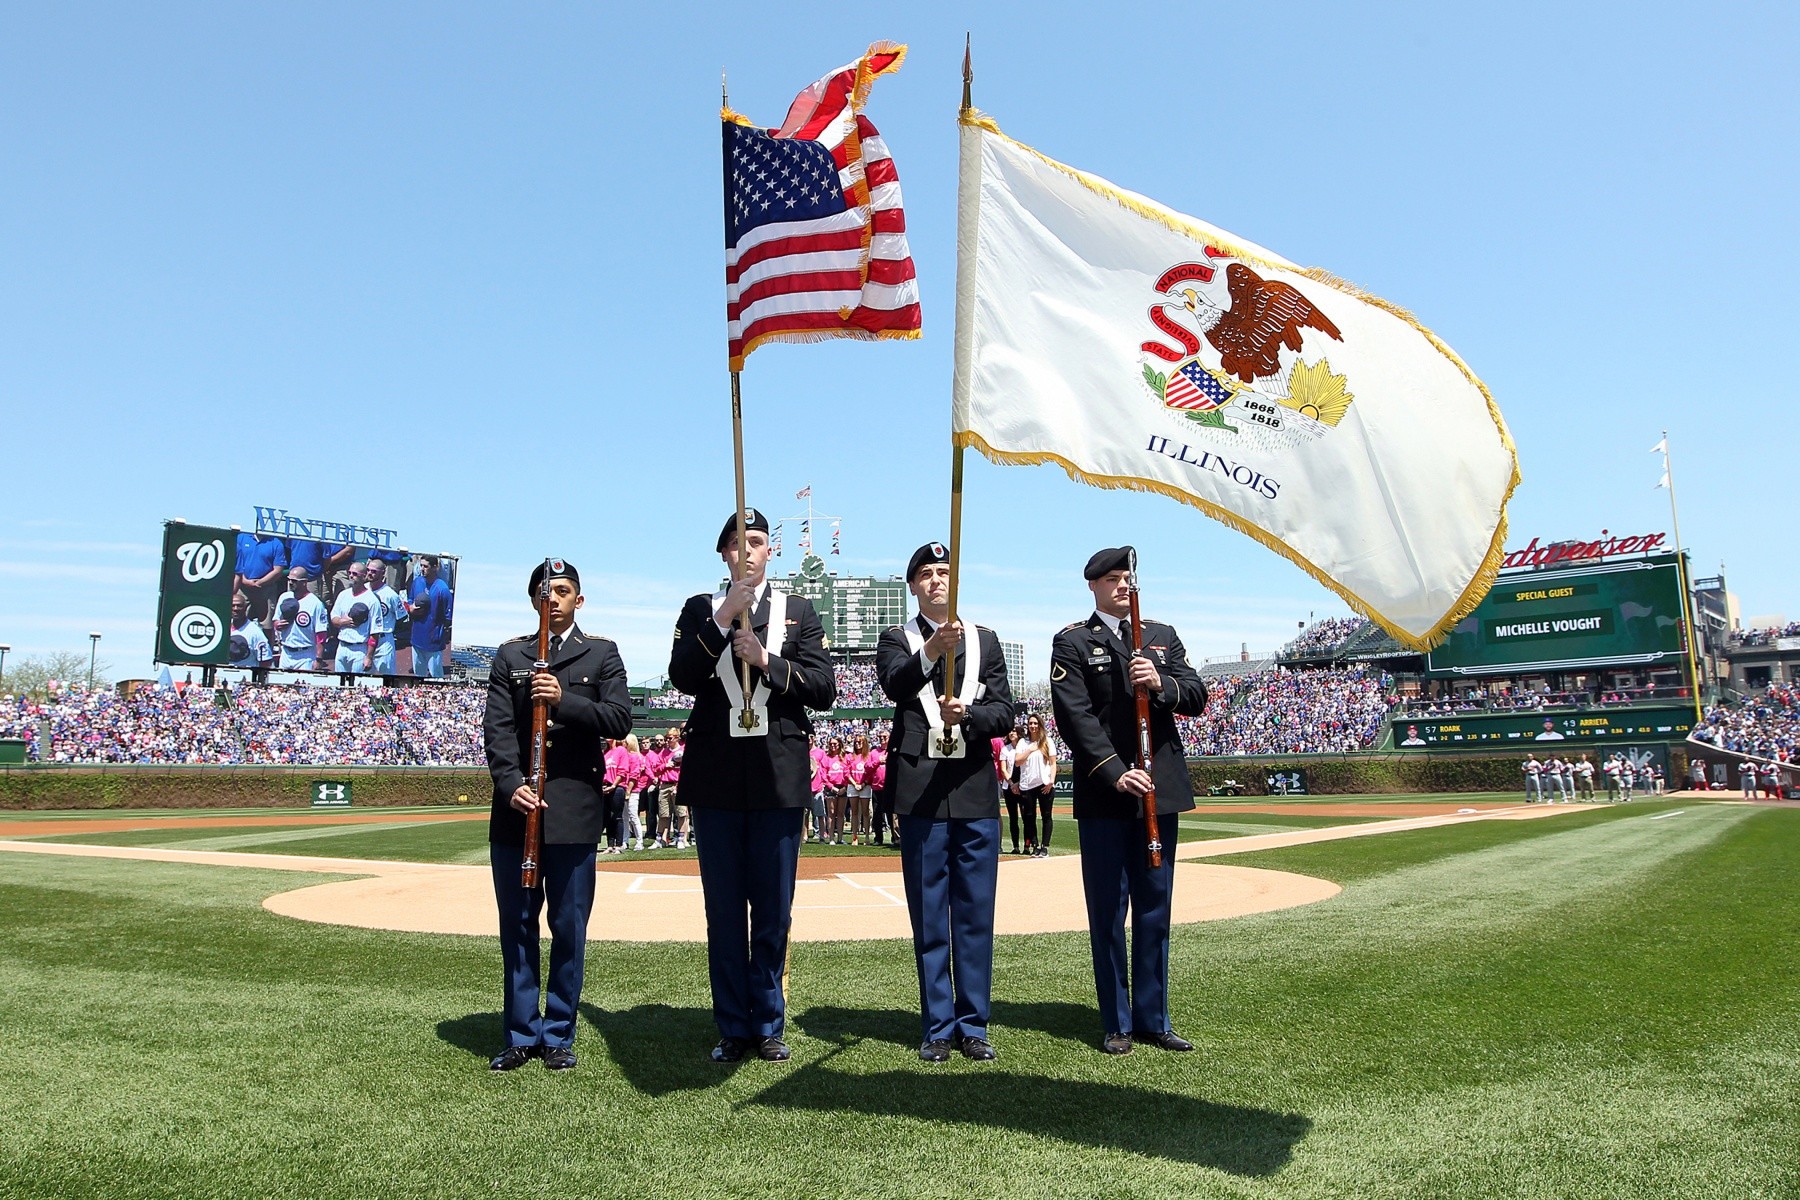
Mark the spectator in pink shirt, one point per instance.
(859, 768)
(837, 779)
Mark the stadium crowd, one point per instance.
(1767, 726)
(1322, 636)
(1765, 637)
(1261, 712)
(251, 723)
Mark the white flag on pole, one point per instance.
(1661, 447)
(1139, 348)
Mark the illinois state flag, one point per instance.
(1139, 348)
(815, 233)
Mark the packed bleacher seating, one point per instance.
(1324, 711)
(1322, 637)
(1275, 711)
(1767, 726)
(249, 723)
(1765, 637)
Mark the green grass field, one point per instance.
(1604, 1003)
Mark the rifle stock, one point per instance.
(1152, 834)
(540, 723)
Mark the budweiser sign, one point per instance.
(1571, 552)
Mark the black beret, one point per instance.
(359, 612)
(1105, 562)
(558, 570)
(752, 520)
(936, 552)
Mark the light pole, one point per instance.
(93, 652)
(3, 650)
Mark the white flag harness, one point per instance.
(726, 668)
(967, 691)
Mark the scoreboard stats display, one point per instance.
(1616, 614)
(1545, 730)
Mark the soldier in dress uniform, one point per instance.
(589, 702)
(948, 802)
(1092, 680)
(747, 785)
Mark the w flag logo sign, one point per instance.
(1194, 387)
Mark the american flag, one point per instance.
(804, 492)
(1194, 387)
(815, 235)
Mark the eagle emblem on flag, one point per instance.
(1247, 356)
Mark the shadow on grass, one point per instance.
(901, 1027)
(1158, 1124)
(660, 1049)
(481, 1034)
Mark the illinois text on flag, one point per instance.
(1140, 348)
(815, 235)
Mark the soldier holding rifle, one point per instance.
(754, 660)
(580, 682)
(1097, 667)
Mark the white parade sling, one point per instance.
(967, 692)
(726, 669)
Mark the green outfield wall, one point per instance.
(51, 787)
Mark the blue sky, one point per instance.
(456, 270)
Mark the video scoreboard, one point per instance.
(1617, 614)
(1545, 730)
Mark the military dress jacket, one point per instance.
(963, 788)
(1096, 715)
(746, 773)
(596, 706)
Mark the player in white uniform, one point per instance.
(1533, 783)
(386, 609)
(352, 616)
(300, 622)
(249, 645)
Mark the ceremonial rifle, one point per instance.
(1152, 835)
(540, 723)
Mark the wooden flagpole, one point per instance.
(746, 718)
(956, 473)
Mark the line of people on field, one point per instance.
(1556, 780)
(754, 660)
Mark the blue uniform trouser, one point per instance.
(747, 863)
(567, 874)
(1115, 872)
(428, 664)
(950, 868)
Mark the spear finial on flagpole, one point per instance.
(968, 75)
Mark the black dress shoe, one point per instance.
(1165, 1040)
(772, 1049)
(1116, 1043)
(934, 1051)
(729, 1050)
(559, 1058)
(514, 1057)
(979, 1049)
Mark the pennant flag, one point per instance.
(1664, 481)
(1139, 348)
(815, 235)
(1661, 447)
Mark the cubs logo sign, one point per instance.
(1247, 365)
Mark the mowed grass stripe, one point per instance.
(1631, 1039)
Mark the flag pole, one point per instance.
(956, 451)
(746, 718)
(1687, 613)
